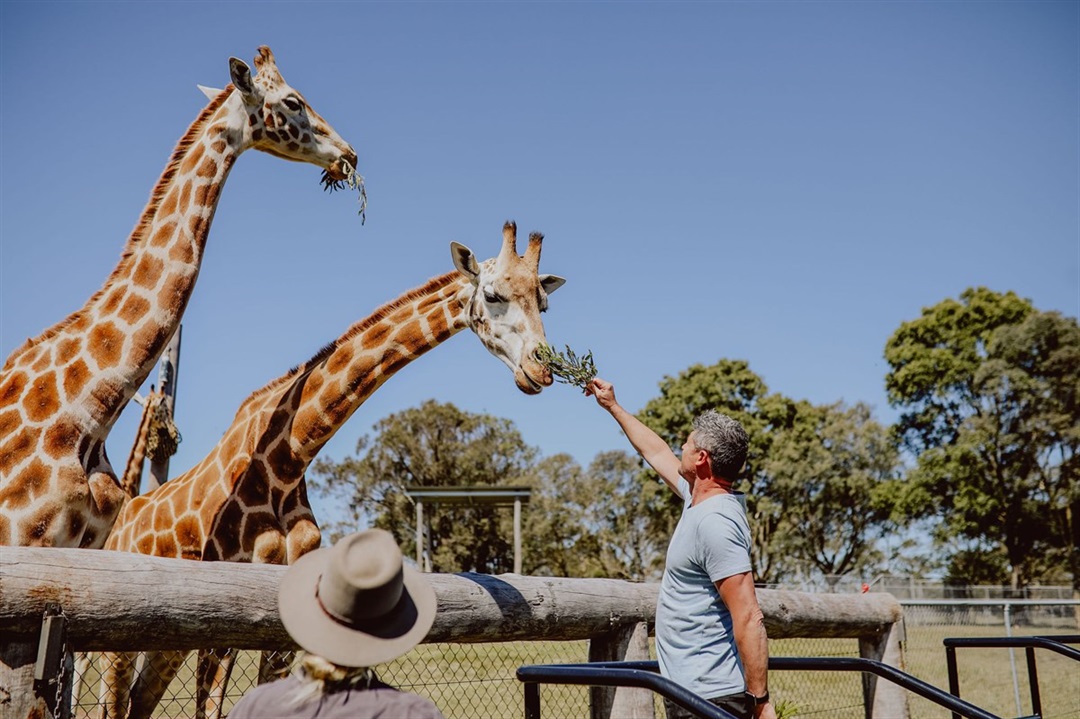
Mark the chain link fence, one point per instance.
(995, 679)
(477, 681)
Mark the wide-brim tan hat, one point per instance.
(356, 603)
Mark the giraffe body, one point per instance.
(247, 500)
(61, 392)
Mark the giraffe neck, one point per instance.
(100, 355)
(335, 383)
(132, 479)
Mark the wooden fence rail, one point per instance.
(118, 601)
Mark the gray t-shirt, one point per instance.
(273, 701)
(695, 643)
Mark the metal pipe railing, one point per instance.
(1054, 643)
(612, 674)
(642, 674)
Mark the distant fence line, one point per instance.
(911, 588)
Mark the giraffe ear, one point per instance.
(550, 283)
(210, 92)
(241, 78)
(465, 260)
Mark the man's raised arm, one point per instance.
(648, 443)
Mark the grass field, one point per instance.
(477, 681)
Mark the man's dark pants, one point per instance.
(738, 705)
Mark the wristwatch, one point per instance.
(758, 700)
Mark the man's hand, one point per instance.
(765, 711)
(604, 392)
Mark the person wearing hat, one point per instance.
(350, 607)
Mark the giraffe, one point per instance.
(156, 437)
(61, 392)
(247, 500)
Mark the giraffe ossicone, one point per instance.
(246, 501)
(62, 392)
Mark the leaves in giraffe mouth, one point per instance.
(353, 180)
(568, 368)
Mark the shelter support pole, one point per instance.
(420, 535)
(517, 535)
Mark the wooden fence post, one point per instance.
(16, 676)
(628, 642)
(883, 699)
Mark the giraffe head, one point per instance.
(508, 295)
(281, 122)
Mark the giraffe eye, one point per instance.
(293, 103)
(491, 295)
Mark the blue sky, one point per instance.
(778, 182)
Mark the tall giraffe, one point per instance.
(247, 500)
(61, 392)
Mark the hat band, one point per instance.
(363, 624)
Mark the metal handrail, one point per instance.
(612, 674)
(635, 674)
(955, 704)
(1055, 643)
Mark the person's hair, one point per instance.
(725, 440)
(320, 676)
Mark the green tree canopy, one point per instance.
(434, 445)
(833, 470)
(591, 523)
(988, 388)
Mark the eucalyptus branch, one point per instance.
(568, 368)
(354, 181)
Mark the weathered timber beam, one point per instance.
(121, 601)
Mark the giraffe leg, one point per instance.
(215, 668)
(154, 678)
(115, 689)
(83, 660)
(274, 665)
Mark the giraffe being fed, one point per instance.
(61, 392)
(247, 500)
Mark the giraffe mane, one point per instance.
(138, 234)
(430, 287)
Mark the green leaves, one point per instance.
(568, 368)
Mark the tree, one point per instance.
(434, 445)
(557, 540)
(590, 523)
(833, 470)
(629, 549)
(988, 386)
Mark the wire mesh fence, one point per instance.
(477, 681)
(993, 678)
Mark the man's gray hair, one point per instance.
(725, 440)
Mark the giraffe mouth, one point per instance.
(527, 384)
(342, 174)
